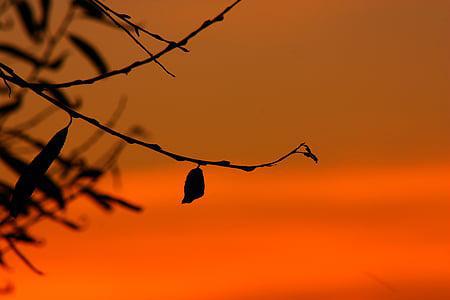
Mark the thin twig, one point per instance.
(155, 147)
(89, 142)
(6, 84)
(105, 12)
(48, 51)
(137, 28)
(129, 68)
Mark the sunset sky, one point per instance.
(365, 83)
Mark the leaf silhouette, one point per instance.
(43, 183)
(26, 15)
(89, 9)
(10, 107)
(90, 52)
(30, 58)
(194, 187)
(59, 95)
(58, 62)
(106, 201)
(36, 170)
(5, 194)
(93, 12)
(92, 174)
(45, 6)
(22, 236)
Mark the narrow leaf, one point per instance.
(90, 52)
(106, 201)
(89, 9)
(10, 107)
(60, 95)
(92, 173)
(45, 6)
(44, 183)
(28, 20)
(20, 54)
(36, 170)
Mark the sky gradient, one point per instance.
(364, 83)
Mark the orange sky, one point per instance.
(365, 83)
(362, 234)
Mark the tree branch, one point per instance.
(131, 67)
(100, 6)
(125, 18)
(155, 147)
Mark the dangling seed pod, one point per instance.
(194, 187)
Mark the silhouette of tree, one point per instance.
(47, 179)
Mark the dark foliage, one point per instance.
(51, 180)
(55, 177)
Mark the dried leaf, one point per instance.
(194, 187)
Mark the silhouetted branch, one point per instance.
(48, 51)
(47, 189)
(100, 6)
(126, 18)
(94, 138)
(154, 147)
(125, 70)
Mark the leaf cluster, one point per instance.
(53, 177)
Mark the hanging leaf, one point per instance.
(10, 107)
(22, 236)
(194, 187)
(89, 9)
(90, 52)
(35, 171)
(58, 62)
(45, 6)
(60, 95)
(20, 54)
(70, 224)
(5, 194)
(26, 15)
(44, 183)
(106, 201)
(92, 174)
